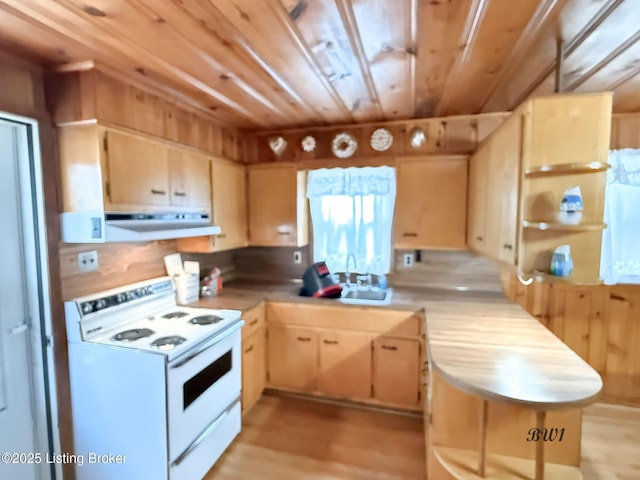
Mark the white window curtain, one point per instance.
(352, 213)
(620, 259)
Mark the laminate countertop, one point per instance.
(481, 343)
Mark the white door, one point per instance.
(17, 419)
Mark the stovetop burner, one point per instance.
(205, 320)
(175, 315)
(133, 334)
(167, 343)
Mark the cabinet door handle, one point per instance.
(249, 349)
(158, 192)
(409, 234)
(284, 233)
(389, 347)
(222, 235)
(304, 339)
(479, 238)
(331, 342)
(253, 322)
(180, 194)
(507, 246)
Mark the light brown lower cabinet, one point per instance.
(396, 371)
(254, 367)
(345, 364)
(293, 358)
(346, 353)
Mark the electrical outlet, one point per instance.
(408, 260)
(88, 261)
(297, 257)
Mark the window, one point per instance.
(620, 260)
(352, 213)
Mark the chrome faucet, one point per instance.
(347, 273)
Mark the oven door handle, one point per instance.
(205, 433)
(224, 333)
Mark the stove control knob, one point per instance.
(149, 290)
(121, 298)
(100, 304)
(128, 295)
(87, 307)
(141, 292)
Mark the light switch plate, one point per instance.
(408, 259)
(297, 257)
(88, 261)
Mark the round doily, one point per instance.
(344, 145)
(381, 139)
(308, 143)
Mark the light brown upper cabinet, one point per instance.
(518, 177)
(278, 207)
(477, 202)
(229, 202)
(189, 178)
(110, 170)
(431, 203)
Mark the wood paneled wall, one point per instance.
(118, 264)
(457, 269)
(600, 323)
(625, 130)
(22, 93)
(87, 95)
(447, 135)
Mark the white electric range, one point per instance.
(154, 382)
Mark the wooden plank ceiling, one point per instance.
(267, 64)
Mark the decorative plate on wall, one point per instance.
(381, 139)
(417, 137)
(277, 144)
(344, 145)
(308, 143)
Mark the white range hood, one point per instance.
(101, 227)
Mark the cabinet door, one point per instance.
(272, 206)
(293, 358)
(477, 204)
(190, 179)
(138, 171)
(396, 371)
(345, 364)
(229, 205)
(431, 204)
(502, 191)
(254, 368)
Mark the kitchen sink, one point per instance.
(366, 296)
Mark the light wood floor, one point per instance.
(287, 438)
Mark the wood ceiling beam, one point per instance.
(56, 14)
(284, 19)
(240, 57)
(468, 39)
(570, 47)
(546, 13)
(349, 20)
(607, 61)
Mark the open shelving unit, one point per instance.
(462, 464)
(566, 168)
(580, 227)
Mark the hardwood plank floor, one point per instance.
(289, 438)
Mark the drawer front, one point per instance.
(254, 319)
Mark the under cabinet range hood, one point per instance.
(101, 227)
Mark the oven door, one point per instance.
(201, 384)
